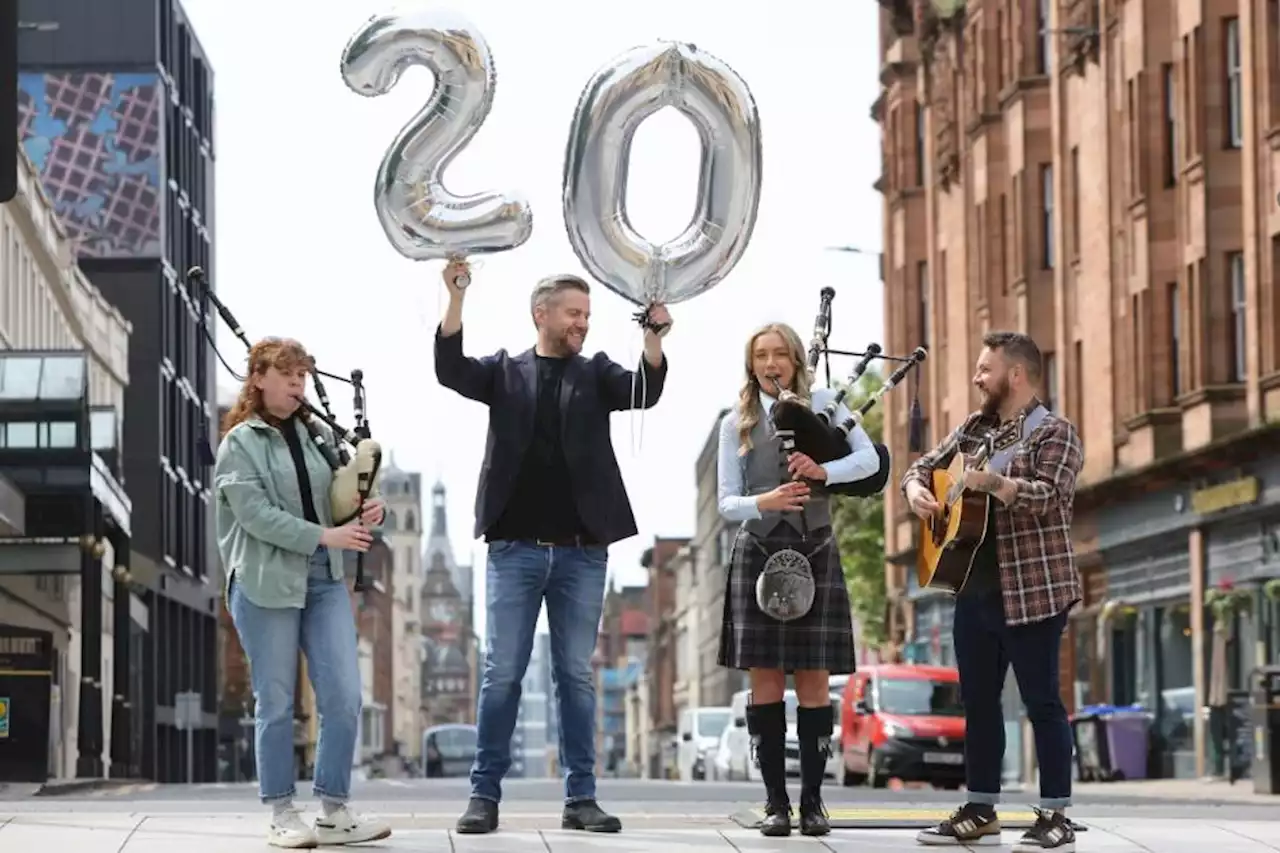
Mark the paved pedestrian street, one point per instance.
(242, 832)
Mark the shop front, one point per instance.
(1187, 612)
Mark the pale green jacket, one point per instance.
(265, 541)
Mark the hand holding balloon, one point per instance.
(456, 275)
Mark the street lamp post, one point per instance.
(855, 250)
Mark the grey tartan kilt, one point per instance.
(821, 639)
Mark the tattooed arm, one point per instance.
(1059, 457)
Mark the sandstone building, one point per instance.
(1103, 175)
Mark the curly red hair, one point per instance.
(280, 353)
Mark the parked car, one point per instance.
(699, 731)
(731, 759)
(903, 721)
(793, 740)
(448, 750)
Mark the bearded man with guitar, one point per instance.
(1016, 586)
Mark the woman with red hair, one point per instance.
(286, 591)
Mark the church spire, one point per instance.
(439, 524)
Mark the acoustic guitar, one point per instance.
(950, 540)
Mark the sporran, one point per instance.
(785, 587)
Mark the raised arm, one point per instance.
(734, 505)
(623, 389)
(470, 377)
(239, 485)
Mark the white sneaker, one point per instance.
(346, 827)
(288, 830)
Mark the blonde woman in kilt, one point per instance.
(781, 504)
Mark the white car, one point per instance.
(698, 738)
(793, 741)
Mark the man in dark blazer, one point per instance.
(549, 503)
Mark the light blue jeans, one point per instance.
(325, 632)
(519, 576)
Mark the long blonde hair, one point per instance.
(281, 353)
(749, 397)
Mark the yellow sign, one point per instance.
(4, 718)
(1225, 495)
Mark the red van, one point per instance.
(903, 721)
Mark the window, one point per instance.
(1239, 330)
(920, 145)
(1075, 201)
(1042, 43)
(1046, 214)
(19, 436)
(102, 430)
(1077, 388)
(1175, 342)
(19, 377)
(1170, 85)
(59, 434)
(1050, 396)
(1235, 130)
(922, 274)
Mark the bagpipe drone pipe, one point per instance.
(355, 473)
(816, 434)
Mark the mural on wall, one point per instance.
(95, 139)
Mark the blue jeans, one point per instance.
(520, 575)
(985, 647)
(325, 632)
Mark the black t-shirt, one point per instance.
(984, 574)
(542, 504)
(289, 429)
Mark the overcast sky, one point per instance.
(300, 251)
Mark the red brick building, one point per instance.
(1103, 175)
(660, 668)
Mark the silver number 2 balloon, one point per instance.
(618, 98)
(422, 219)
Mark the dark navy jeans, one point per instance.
(519, 577)
(985, 647)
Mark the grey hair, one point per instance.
(552, 286)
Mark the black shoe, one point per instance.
(767, 725)
(587, 815)
(777, 821)
(1052, 831)
(480, 817)
(972, 825)
(813, 731)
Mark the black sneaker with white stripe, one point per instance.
(1052, 831)
(972, 825)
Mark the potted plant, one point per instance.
(1271, 589)
(1225, 601)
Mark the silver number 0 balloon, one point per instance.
(618, 98)
(422, 219)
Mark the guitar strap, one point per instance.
(1000, 460)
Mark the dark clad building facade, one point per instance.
(116, 111)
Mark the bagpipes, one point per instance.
(816, 434)
(355, 478)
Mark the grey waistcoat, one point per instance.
(766, 469)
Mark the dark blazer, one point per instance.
(592, 389)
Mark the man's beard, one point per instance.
(994, 399)
(565, 346)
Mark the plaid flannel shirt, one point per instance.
(1038, 575)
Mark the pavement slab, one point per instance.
(244, 833)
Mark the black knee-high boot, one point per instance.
(813, 730)
(767, 725)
